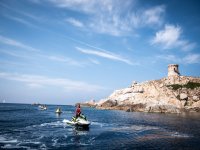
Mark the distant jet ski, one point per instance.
(58, 111)
(81, 121)
(42, 107)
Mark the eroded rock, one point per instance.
(183, 96)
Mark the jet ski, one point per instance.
(58, 111)
(81, 121)
(42, 107)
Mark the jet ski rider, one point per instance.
(78, 110)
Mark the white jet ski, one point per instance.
(58, 111)
(81, 121)
(42, 107)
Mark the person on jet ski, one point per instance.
(78, 111)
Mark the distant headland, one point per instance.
(172, 94)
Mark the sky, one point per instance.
(69, 51)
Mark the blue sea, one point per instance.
(23, 126)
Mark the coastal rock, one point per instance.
(183, 96)
(164, 109)
(90, 103)
(183, 102)
(196, 104)
(109, 103)
(189, 103)
(195, 98)
(172, 94)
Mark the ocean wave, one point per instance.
(12, 110)
(10, 142)
(9, 146)
(6, 140)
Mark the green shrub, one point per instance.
(189, 85)
(175, 86)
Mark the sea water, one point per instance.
(23, 126)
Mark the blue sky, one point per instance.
(64, 51)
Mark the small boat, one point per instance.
(81, 121)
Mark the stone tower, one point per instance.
(173, 70)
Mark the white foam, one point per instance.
(84, 144)
(100, 124)
(43, 146)
(138, 128)
(8, 141)
(177, 134)
(2, 138)
(82, 132)
(9, 146)
(91, 140)
(57, 123)
(55, 141)
(32, 142)
(6, 146)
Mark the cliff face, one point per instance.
(172, 94)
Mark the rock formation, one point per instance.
(173, 94)
(90, 103)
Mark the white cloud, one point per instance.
(169, 58)
(29, 52)
(35, 85)
(43, 81)
(192, 58)
(153, 16)
(75, 22)
(170, 37)
(8, 52)
(66, 60)
(187, 59)
(20, 20)
(29, 56)
(187, 46)
(114, 17)
(104, 54)
(15, 43)
(31, 16)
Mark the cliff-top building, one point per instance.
(173, 70)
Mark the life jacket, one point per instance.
(78, 111)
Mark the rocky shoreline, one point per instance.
(172, 94)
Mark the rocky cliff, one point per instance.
(173, 94)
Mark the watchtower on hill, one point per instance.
(173, 70)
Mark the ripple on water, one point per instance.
(7, 140)
(181, 135)
(138, 128)
(108, 131)
(101, 124)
